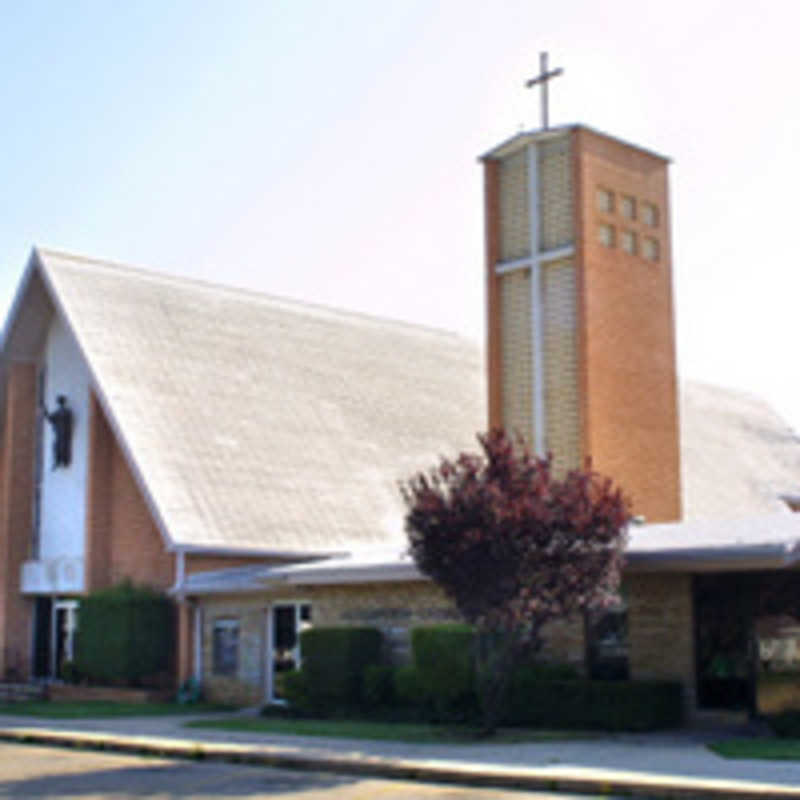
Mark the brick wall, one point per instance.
(16, 517)
(516, 372)
(556, 226)
(560, 347)
(514, 216)
(393, 608)
(661, 628)
(123, 541)
(628, 381)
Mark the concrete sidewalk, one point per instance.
(643, 765)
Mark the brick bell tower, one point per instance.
(581, 346)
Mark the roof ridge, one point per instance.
(288, 303)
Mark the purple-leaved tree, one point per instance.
(515, 545)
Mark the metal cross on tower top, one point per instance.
(542, 78)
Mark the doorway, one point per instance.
(54, 629)
(285, 623)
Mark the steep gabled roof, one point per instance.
(259, 424)
(737, 455)
(256, 424)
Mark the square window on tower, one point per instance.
(605, 201)
(650, 248)
(650, 214)
(606, 235)
(628, 240)
(628, 206)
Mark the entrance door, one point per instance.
(42, 634)
(724, 606)
(285, 623)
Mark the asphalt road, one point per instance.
(47, 772)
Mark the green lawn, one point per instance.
(99, 708)
(417, 733)
(758, 748)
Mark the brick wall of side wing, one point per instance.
(16, 519)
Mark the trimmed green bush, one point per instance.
(546, 671)
(378, 689)
(125, 636)
(409, 690)
(604, 705)
(444, 658)
(295, 690)
(334, 661)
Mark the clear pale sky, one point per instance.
(327, 150)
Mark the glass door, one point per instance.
(286, 621)
(65, 619)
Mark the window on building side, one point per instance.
(628, 240)
(606, 235)
(650, 248)
(225, 644)
(605, 201)
(607, 649)
(649, 214)
(628, 206)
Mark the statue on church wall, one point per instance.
(61, 422)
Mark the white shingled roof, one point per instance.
(256, 424)
(737, 455)
(259, 424)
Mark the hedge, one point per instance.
(605, 705)
(334, 661)
(125, 636)
(443, 658)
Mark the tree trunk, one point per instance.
(495, 658)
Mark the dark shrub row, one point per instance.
(342, 673)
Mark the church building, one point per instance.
(243, 452)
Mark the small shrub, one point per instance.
(126, 635)
(295, 690)
(334, 661)
(409, 690)
(443, 657)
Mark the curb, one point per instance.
(566, 779)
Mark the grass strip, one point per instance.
(774, 749)
(89, 709)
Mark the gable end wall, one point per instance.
(122, 540)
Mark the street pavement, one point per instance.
(647, 765)
(44, 772)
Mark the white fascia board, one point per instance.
(19, 295)
(378, 573)
(714, 559)
(287, 555)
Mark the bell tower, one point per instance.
(581, 345)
